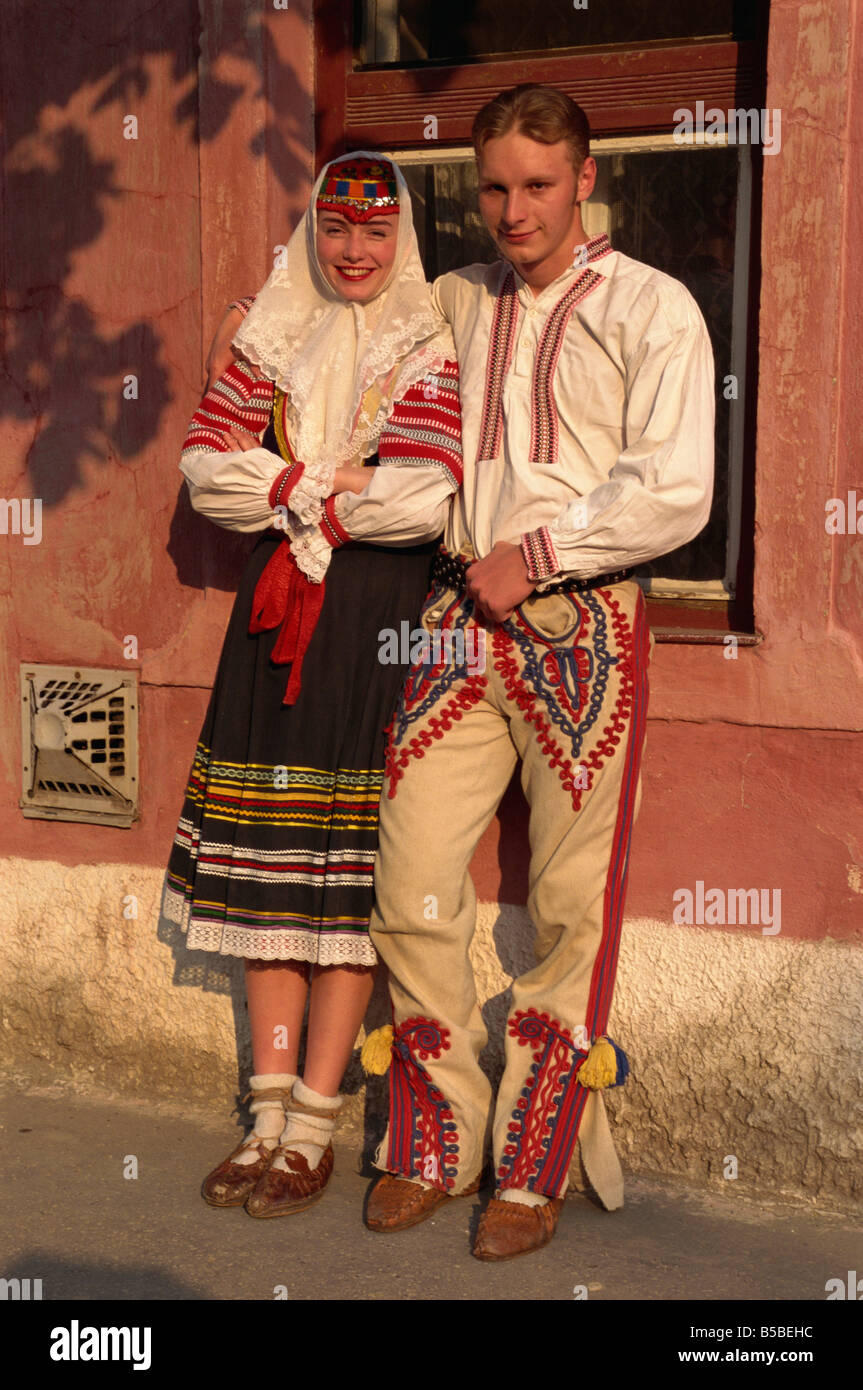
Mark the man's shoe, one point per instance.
(280, 1192)
(230, 1184)
(396, 1203)
(507, 1229)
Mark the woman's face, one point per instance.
(356, 257)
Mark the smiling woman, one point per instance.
(356, 236)
(355, 258)
(350, 372)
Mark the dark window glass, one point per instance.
(676, 211)
(415, 31)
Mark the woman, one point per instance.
(274, 853)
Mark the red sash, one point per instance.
(284, 595)
(287, 597)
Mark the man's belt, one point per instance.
(449, 571)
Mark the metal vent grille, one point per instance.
(79, 742)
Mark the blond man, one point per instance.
(586, 381)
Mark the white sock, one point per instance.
(307, 1131)
(269, 1114)
(528, 1199)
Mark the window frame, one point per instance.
(625, 90)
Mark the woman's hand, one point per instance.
(351, 479)
(221, 354)
(241, 439)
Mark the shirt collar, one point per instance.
(589, 252)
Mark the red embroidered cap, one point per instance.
(359, 189)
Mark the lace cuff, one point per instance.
(312, 552)
(307, 496)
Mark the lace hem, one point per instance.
(175, 908)
(233, 941)
(335, 949)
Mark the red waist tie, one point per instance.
(285, 595)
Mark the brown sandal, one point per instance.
(280, 1193)
(230, 1184)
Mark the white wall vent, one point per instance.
(79, 740)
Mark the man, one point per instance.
(586, 382)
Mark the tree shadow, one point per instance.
(65, 373)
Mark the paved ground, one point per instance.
(70, 1218)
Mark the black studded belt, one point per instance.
(449, 571)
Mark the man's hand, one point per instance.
(499, 583)
(221, 354)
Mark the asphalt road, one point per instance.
(71, 1219)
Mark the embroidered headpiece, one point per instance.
(359, 189)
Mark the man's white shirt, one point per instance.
(634, 398)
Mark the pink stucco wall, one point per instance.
(119, 257)
(752, 766)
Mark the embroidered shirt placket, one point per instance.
(504, 331)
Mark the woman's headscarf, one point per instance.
(342, 364)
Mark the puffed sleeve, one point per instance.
(232, 487)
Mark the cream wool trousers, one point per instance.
(565, 691)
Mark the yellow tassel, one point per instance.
(377, 1050)
(599, 1068)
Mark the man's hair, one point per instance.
(541, 113)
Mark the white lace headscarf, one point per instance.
(342, 364)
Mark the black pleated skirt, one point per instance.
(274, 853)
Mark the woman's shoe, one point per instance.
(282, 1191)
(230, 1184)
(290, 1183)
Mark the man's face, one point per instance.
(356, 256)
(528, 197)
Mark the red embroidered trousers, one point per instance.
(564, 690)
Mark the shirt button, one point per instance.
(525, 342)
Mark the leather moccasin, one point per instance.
(280, 1192)
(507, 1229)
(230, 1184)
(396, 1203)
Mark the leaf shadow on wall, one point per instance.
(66, 361)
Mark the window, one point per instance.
(413, 31)
(689, 210)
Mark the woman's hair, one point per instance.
(541, 113)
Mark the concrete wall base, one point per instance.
(742, 1047)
